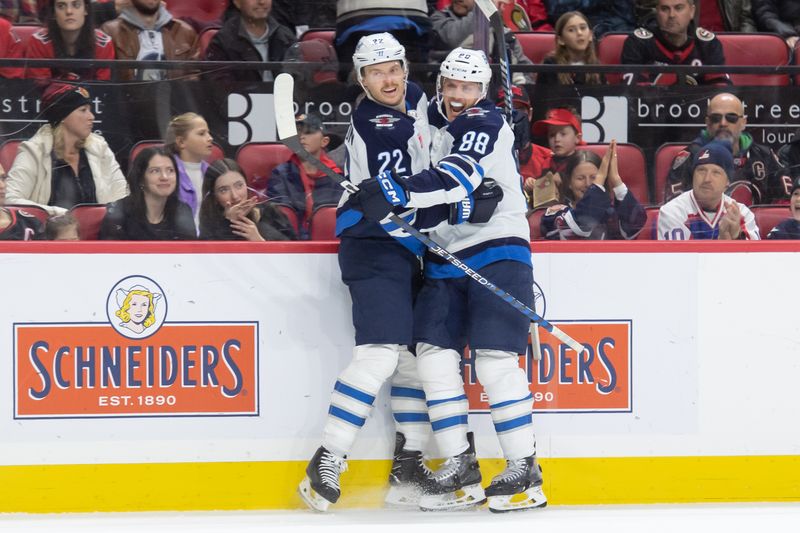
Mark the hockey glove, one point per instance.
(479, 206)
(377, 197)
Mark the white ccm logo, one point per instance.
(394, 198)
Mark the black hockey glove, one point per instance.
(479, 206)
(378, 196)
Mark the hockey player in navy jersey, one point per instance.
(388, 132)
(471, 143)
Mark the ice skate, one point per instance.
(320, 487)
(518, 487)
(456, 484)
(409, 474)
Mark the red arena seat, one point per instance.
(291, 215)
(208, 11)
(90, 217)
(664, 156)
(648, 232)
(768, 216)
(40, 213)
(205, 38)
(258, 160)
(536, 45)
(216, 151)
(535, 223)
(767, 49)
(8, 152)
(323, 223)
(609, 52)
(632, 167)
(324, 34)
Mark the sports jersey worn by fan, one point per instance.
(40, 46)
(785, 230)
(23, 226)
(593, 216)
(683, 219)
(645, 47)
(756, 165)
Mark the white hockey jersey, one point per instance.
(682, 219)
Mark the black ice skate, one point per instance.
(409, 474)
(456, 484)
(320, 487)
(518, 487)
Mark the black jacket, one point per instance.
(273, 225)
(120, 224)
(232, 44)
(778, 16)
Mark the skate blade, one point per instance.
(314, 501)
(466, 498)
(403, 496)
(533, 498)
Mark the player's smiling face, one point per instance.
(385, 82)
(459, 96)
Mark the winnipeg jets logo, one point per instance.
(705, 155)
(384, 121)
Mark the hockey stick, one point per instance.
(287, 132)
(490, 11)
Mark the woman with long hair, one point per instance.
(190, 143)
(152, 212)
(574, 46)
(587, 210)
(227, 213)
(69, 33)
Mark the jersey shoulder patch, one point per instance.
(42, 35)
(680, 159)
(704, 35)
(643, 33)
(102, 39)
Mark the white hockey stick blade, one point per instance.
(487, 7)
(284, 110)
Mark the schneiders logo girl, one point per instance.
(136, 307)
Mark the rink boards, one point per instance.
(687, 391)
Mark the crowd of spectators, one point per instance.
(64, 164)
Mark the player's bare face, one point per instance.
(386, 82)
(583, 175)
(576, 35)
(724, 118)
(459, 96)
(794, 204)
(460, 8)
(709, 183)
(674, 16)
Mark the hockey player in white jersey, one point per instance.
(388, 131)
(470, 141)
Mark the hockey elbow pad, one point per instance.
(479, 207)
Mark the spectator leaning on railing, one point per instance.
(69, 33)
(64, 163)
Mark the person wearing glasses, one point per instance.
(152, 211)
(758, 177)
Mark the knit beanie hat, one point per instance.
(61, 99)
(716, 153)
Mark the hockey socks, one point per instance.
(408, 403)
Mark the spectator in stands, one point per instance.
(532, 158)
(64, 163)
(562, 129)
(673, 39)
(15, 225)
(190, 143)
(604, 15)
(454, 26)
(299, 184)
(757, 176)
(406, 20)
(147, 31)
(11, 48)
(153, 211)
(62, 228)
(713, 15)
(20, 11)
(789, 228)
(586, 211)
(574, 46)
(301, 15)
(227, 214)
(253, 35)
(779, 16)
(705, 211)
(69, 33)
(789, 156)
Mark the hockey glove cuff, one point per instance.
(377, 197)
(478, 207)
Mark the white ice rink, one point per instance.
(712, 518)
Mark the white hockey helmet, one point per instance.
(378, 48)
(466, 65)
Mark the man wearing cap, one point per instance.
(64, 163)
(705, 212)
(758, 177)
(299, 184)
(789, 228)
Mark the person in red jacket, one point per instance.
(10, 47)
(69, 33)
